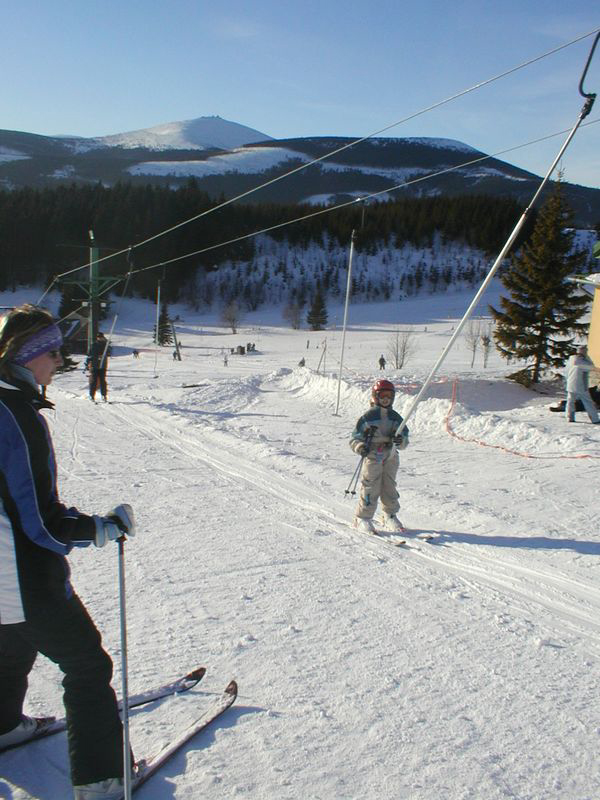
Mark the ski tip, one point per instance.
(196, 674)
(232, 689)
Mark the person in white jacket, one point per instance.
(578, 369)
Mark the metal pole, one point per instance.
(124, 681)
(157, 313)
(491, 273)
(156, 332)
(348, 286)
(93, 292)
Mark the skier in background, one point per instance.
(374, 438)
(381, 362)
(578, 369)
(97, 363)
(39, 610)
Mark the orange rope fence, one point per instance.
(496, 446)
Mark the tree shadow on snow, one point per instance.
(582, 546)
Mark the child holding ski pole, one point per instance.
(39, 611)
(356, 475)
(375, 439)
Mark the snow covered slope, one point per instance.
(463, 670)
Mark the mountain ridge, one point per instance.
(227, 159)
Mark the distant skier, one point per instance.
(302, 362)
(375, 439)
(578, 369)
(136, 353)
(225, 360)
(381, 361)
(39, 610)
(97, 363)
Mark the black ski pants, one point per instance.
(64, 632)
(98, 381)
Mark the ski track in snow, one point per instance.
(563, 601)
(462, 669)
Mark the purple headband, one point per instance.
(39, 343)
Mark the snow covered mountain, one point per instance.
(227, 158)
(203, 133)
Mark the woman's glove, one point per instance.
(118, 522)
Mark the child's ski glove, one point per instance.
(117, 522)
(401, 441)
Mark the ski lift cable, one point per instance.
(66, 317)
(115, 318)
(587, 107)
(119, 304)
(353, 143)
(362, 199)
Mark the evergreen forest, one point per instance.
(45, 232)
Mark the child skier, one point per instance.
(375, 439)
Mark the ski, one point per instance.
(48, 726)
(407, 535)
(387, 536)
(397, 539)
(423, 536)
(145, 769)
(409, 538)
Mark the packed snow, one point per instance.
(462, 669)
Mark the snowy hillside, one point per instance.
(245, 160)
(463, 669)
(195, 134)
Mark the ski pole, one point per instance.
(124, 682)
(354, 479)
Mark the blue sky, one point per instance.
(306, 68)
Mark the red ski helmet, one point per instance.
(382, 385)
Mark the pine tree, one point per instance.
(165, 335)
(541, 318)
(317, 315)
(68, 301)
